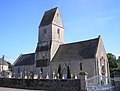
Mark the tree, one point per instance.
(118, 60)
(112, 63)
(41, 70)
(59, 72)
(118, 65)
(9, 66)
(68, 72)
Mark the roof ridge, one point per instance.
(28, 53)
(51, 9)
(77, 50)
(82, 41)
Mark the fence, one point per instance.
(100, 83)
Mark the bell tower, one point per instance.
(51, 36)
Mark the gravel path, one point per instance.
(13, 89)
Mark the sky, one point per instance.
(82, 19)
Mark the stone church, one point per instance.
(53, 59)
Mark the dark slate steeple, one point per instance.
(48, 17)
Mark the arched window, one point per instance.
(43, 56)
(18, 70)
(57, 14)
(44, 31)
(80, 66)
(58, 32)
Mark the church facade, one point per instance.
(55, 60)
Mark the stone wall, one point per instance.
(53, 85)
(102, 60)
(88, 65)
(117, 80)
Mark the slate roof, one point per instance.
(25, 59)
(42, 63)
(4, 62)
(48, 17)
(77, 51)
